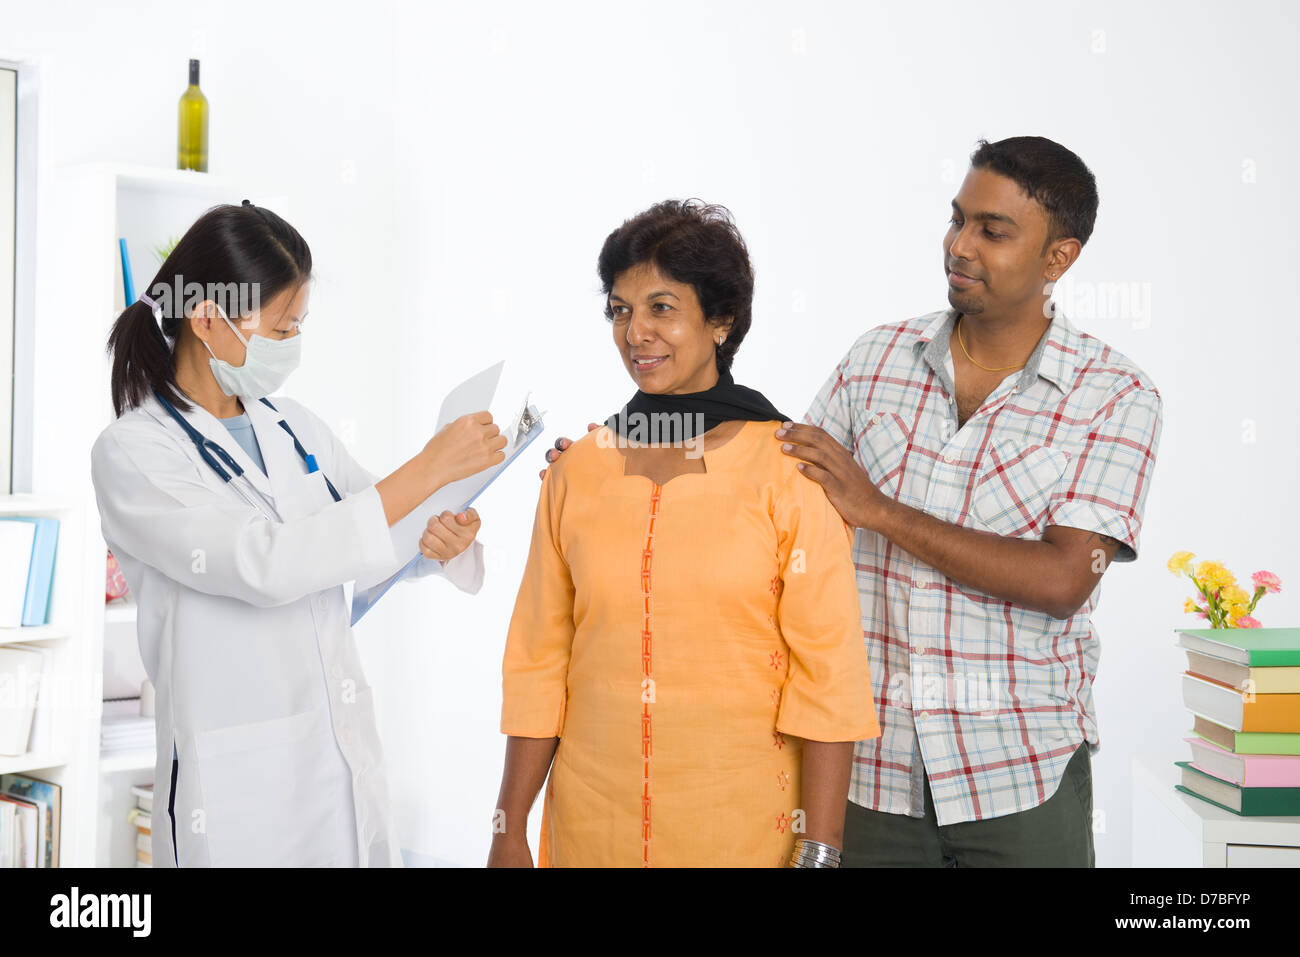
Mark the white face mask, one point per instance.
(267, 364)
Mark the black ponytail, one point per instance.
(142, 359)
(228, 247)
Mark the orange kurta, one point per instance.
(681, 640)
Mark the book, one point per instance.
(1257, 647)
(1245, 742)
(8, 829)
(128, 281)
(127, 733)
(1248, 802)
(1250, 770)
(1276, 679)
(48, 798)
(42, 734)
(20, 680)
(1276, 713)
(114, 708)
(26, 851)
(123, 728)
(40, 573)
(16, 540)
(143, 797)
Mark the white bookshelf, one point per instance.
(140, 759)
(35, 762)
(71, 686)
(82, 212)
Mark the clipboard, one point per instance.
(475, 485)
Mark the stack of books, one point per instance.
(30, 810)
(1242, 687)
(124, 728)
(142, 817)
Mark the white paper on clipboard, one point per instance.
(472, 395)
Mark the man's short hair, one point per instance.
(1050, 174)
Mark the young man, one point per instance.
(994, 460)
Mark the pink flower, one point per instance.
(1267, 581)
(1201, 614)
(1245, 621)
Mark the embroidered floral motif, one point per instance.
(775, 585)
(782, 822)
(778, 740)
(776, 660)
(783, 780)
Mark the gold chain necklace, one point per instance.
(972, 358)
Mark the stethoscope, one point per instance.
(221, 462)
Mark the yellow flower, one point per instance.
(1214, 575)
(1190, 606)
(1234, 595)
(1180, 561)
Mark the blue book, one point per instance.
(128, 285)
(40, 574)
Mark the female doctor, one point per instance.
(237, 520)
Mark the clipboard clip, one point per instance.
(527, 420)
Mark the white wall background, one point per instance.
(456, 167)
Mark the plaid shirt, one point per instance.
(991, 698)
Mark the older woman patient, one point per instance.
(685, 657)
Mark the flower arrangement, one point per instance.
(1219, 599)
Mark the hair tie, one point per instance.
(157, 316)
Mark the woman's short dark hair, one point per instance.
(688, 241)
(228, 248)
(1050, 174)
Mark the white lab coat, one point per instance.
(244, 629)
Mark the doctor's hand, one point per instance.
(561, 446)
(447, 535)
(468, 445)
(461, 448)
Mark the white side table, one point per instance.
(1173, 829)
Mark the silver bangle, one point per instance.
(814, 854)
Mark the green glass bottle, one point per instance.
(192, 129)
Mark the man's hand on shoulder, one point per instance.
(561, 446)
(834, 468)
